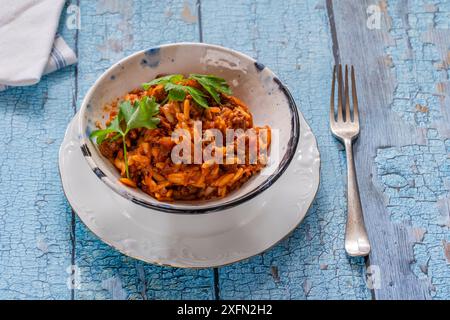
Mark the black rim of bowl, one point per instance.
(164, 207)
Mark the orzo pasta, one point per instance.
(145, 158)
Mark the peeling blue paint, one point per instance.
(414, 63)
(416, 178)
(35, 219)
(311, 263)
(302, 34)
(97, 261)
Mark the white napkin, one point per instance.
(28, 46)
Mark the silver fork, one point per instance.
(346, 130)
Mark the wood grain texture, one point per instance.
(111, 30)
(35, 229)
(403, 161)
(402, 155)
(293, 39)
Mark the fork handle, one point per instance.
(356, 239)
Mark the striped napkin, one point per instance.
(29, 44)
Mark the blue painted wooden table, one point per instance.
(401, 53)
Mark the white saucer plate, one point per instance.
(192, 240)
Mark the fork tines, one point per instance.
(344, 97)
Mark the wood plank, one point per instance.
(35, 220)
(111, 30)
(401, 156)
(293, 39)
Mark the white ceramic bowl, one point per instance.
(268, 99)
